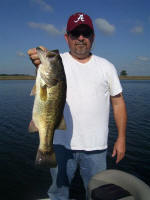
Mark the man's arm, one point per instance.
(120, 116)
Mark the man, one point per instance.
(92, 82)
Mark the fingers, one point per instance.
(31, 51)
(119, 149)
(34, 57)
(120, 156)
(119, 152)
(114, 152)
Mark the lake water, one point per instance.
(18, 176)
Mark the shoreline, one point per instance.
(134, 77)
(20, 77)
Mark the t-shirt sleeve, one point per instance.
(114, 82)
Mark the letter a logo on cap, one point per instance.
(77, 19)
(81, 18)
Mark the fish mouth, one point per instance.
(39, 49)
(51, 54)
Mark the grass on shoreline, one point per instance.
(28, 77)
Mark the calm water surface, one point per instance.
(18, 176)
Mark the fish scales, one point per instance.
(50, 96)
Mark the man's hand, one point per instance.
(119, 149)
(34, 57)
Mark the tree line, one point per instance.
(123, 73)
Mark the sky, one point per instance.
(122, 31)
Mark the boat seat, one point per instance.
(108, 183)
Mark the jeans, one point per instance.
(90, 163)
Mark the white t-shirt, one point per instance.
(86, 111)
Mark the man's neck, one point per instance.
(82, 60)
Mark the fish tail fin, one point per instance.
(47, 158)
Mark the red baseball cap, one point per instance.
(78, 19)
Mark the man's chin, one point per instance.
(81, 50)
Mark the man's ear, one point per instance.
(93, 38)
(66, 37)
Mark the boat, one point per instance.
(114, 184)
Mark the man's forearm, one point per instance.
(120, 115)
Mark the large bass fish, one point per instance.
(50, 96)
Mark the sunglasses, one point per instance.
(76, 33)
